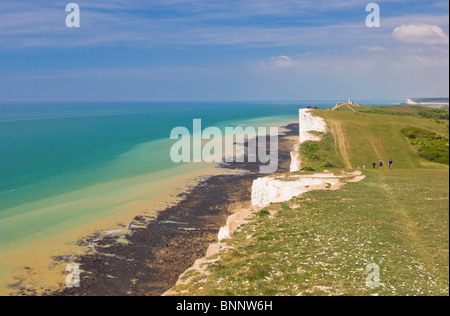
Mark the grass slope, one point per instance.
(410, 110)
(429, 145)
(367, 137)
(321, 242)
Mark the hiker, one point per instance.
(374, 165)
(364, 167)
(381, 164)
(390, 164)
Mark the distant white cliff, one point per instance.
(427, 101)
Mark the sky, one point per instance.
(211, 50)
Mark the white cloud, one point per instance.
(375, 48)
(282, 62)
(424, 34)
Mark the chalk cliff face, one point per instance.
(309, 123)
(233, 223)
(270, 190)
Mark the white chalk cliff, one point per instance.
(310, 123)
(307, 123)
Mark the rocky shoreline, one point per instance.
(149, 260)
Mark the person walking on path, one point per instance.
(374, 165)
(390, 164)
(381, 164)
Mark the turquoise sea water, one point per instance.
(48, 149)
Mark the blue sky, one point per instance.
(196, 50)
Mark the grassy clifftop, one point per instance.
(402, 110)
(322, 242)
(367, 134)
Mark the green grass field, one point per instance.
(367, 137)
(321, 242)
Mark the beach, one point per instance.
(31, 264)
